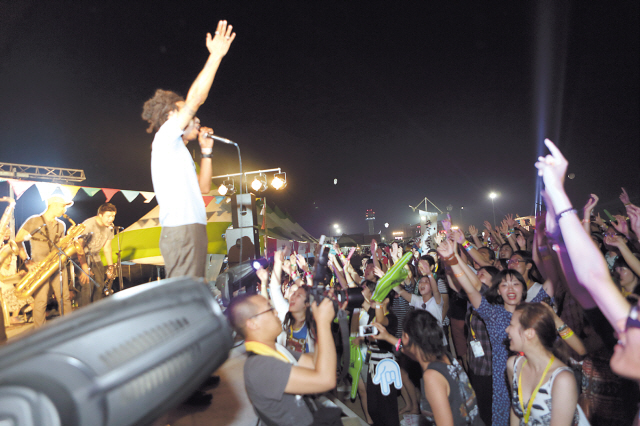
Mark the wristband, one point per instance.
(563, 213)
(399, 345)
(562, 328)
(206, 155)
(458, 275)
(206, 150)
(451, 260)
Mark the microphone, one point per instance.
(218, 138)
(28, 237)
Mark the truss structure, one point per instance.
(52, 174)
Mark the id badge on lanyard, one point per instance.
(476, 347)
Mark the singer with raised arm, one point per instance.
(178, 188)
(42, 231)
(97, 236)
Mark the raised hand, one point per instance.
(218, 45)
(445, 249)
(552, 168)
(473, 231)
(262, 274)
(621, 225)
(458, 236)
(615, 240)
(634, 218)
(378, 272)
(286, 266)
(522, 242)
(600, 221)
(510, 221)
(438, 238)
(624, 197)
(302, 262)
(504, 227)
(488, 225)
(591, 204)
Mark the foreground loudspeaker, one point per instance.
(124, 360)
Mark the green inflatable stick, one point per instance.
(392, 278)
(355, 366)
(609, 215)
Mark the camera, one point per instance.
(320, 289)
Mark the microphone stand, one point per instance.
(119, 258)
(230, 142)
(60, 254)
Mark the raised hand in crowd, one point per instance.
(263, 276)
(473, 231)
(522, 242)
(634, 220)
(624, 197)
(587, 210)
(446, 224)
(621, 225)
(588, 262)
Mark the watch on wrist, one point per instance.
(206, 155)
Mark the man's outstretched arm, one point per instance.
(218, 46)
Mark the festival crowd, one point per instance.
(528, 325)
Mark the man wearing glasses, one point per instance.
(276, 379)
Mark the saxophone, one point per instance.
(35, 278)
(11, 247)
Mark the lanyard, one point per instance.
(473, 333)
(527, 412)
(262, 349)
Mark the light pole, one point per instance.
(493, 196)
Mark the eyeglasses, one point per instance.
(514, 261)
(263, 312)
(612, 234)
(632, 319)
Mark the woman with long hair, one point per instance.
(544, 390)
(450, 398)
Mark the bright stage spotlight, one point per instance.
(279, 181)
(259, 184)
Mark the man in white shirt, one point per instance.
(178, 188)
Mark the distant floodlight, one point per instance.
(336, 226)
(386, 225)
(493, 195)
(335, 181)
(339, 231)
(279, 181)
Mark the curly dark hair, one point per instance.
(424, 333)
(156, 110)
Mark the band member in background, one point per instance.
(40, 248)
(178, 188)
(99, 233)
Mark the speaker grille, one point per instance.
(143, 342)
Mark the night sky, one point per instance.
(395, 100)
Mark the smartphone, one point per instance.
(368, 330)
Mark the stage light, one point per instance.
(336, 226)
(259, 184)
(227, 188)
(279, 181)
(222, 189)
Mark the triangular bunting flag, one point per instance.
(109, 192)
(130, 195)
(19, 186)
(219, 199)
(69, 191)
(90, 191)
(148, 196)
(46, 189)
(207, 199)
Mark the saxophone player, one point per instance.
(100, 229)
(53, 228)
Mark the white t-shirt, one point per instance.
(432, 307)
(174, 177)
